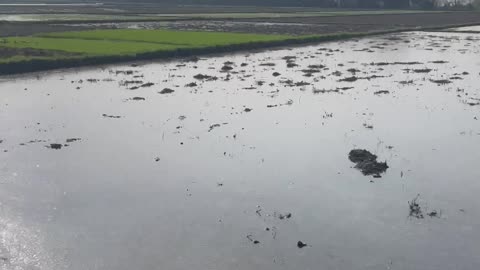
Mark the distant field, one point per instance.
(97, 43)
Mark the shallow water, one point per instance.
(164, 187)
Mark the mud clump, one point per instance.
(301, 244)
(441, 81)
(422, 70)
(205, 77)
(381, 92)
(213, 126)
(226, 68)
(166, 91)
(111, 116)
(55, 146)
(149, 84)
(367, 162)
(349, 79)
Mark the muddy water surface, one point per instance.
(99, 170)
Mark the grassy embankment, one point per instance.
(69, 49)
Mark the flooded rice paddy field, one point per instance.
(244, 161)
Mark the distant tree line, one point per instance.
(386, 4)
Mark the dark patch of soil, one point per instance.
(55, 146)
(149, 84)
(213, 126)
(226, 68)
(205, 77)
(439, 62)
(166, 91)
(367, 162)
(441, 81)
(382, 92)
(349, 79)
(111, 116)
(423, 70)
(395, 63)
(301, 244)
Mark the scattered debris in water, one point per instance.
(213, 126)
(251, 239)
(415, 209)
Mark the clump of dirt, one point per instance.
(301, 244)
(149, 84)
(394, 63)
(441, 81)
(422, 70)
(276, 74)
(291, 64)
(254, 241)
(439, 62)
(166, 91)
(367, 162)
(111, 116)
(213, 126)
(226, 68)
(70, 140)
(316, 66)
(192, 84)
(349, 79)
(55, 146)
(205, 77)
(406, 82)
(381, 92)
(138, 98)
(310, 71)
(284, 216)
(353, 70)
(336, 90)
